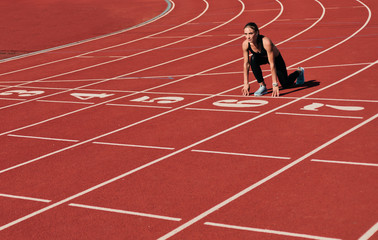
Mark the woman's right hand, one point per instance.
(245, 90)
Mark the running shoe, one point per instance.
(301, 78)
(261, 91)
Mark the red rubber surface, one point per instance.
(144, 134)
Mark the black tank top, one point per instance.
(263, 52)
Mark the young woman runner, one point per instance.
(265, 52)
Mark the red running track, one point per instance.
(145, 135)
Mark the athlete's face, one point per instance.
(250, 34)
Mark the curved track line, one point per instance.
(137, 71)
(169, 8)
(114, 46)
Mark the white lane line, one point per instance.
(343, 162)
(43, 138)
(241, 154)
(55, 101)
(180, 36)
(132, 105)
(12, 99)
(263, 10)
(24, 198)
(370, 232)
(125, 212)
(260, 230)
(170, 7)
(220, 110)
(133, 145)
(318, 115)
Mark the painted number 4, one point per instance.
(316, 106)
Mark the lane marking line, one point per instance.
(370, 232)
(318, 115)
(124, 212)
(132, 105)
(241, 154)
(260, 230)
(204, 36)
(43, 138)
(169, 8)
(263, 10)
(132, 145)
(220, 110)
(344, 162)
(55, 101)
(25, 198)
(12, 99)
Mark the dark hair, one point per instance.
(253, 26)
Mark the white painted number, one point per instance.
(316, 106)
(21, 93)
(160, 100)
(86, 96)
(240, 104)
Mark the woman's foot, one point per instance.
(261, 91)
(301, 78)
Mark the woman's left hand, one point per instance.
(276, 91)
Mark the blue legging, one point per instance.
(285, 80)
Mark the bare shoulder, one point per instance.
(267, 41)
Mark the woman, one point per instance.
(264, 51)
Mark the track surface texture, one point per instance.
(125, 120)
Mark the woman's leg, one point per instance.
(256, 69)
(285, 80)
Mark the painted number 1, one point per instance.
(316, 106)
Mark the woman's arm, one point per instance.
(269, 47)
(246, 66)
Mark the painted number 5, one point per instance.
(160, 100)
